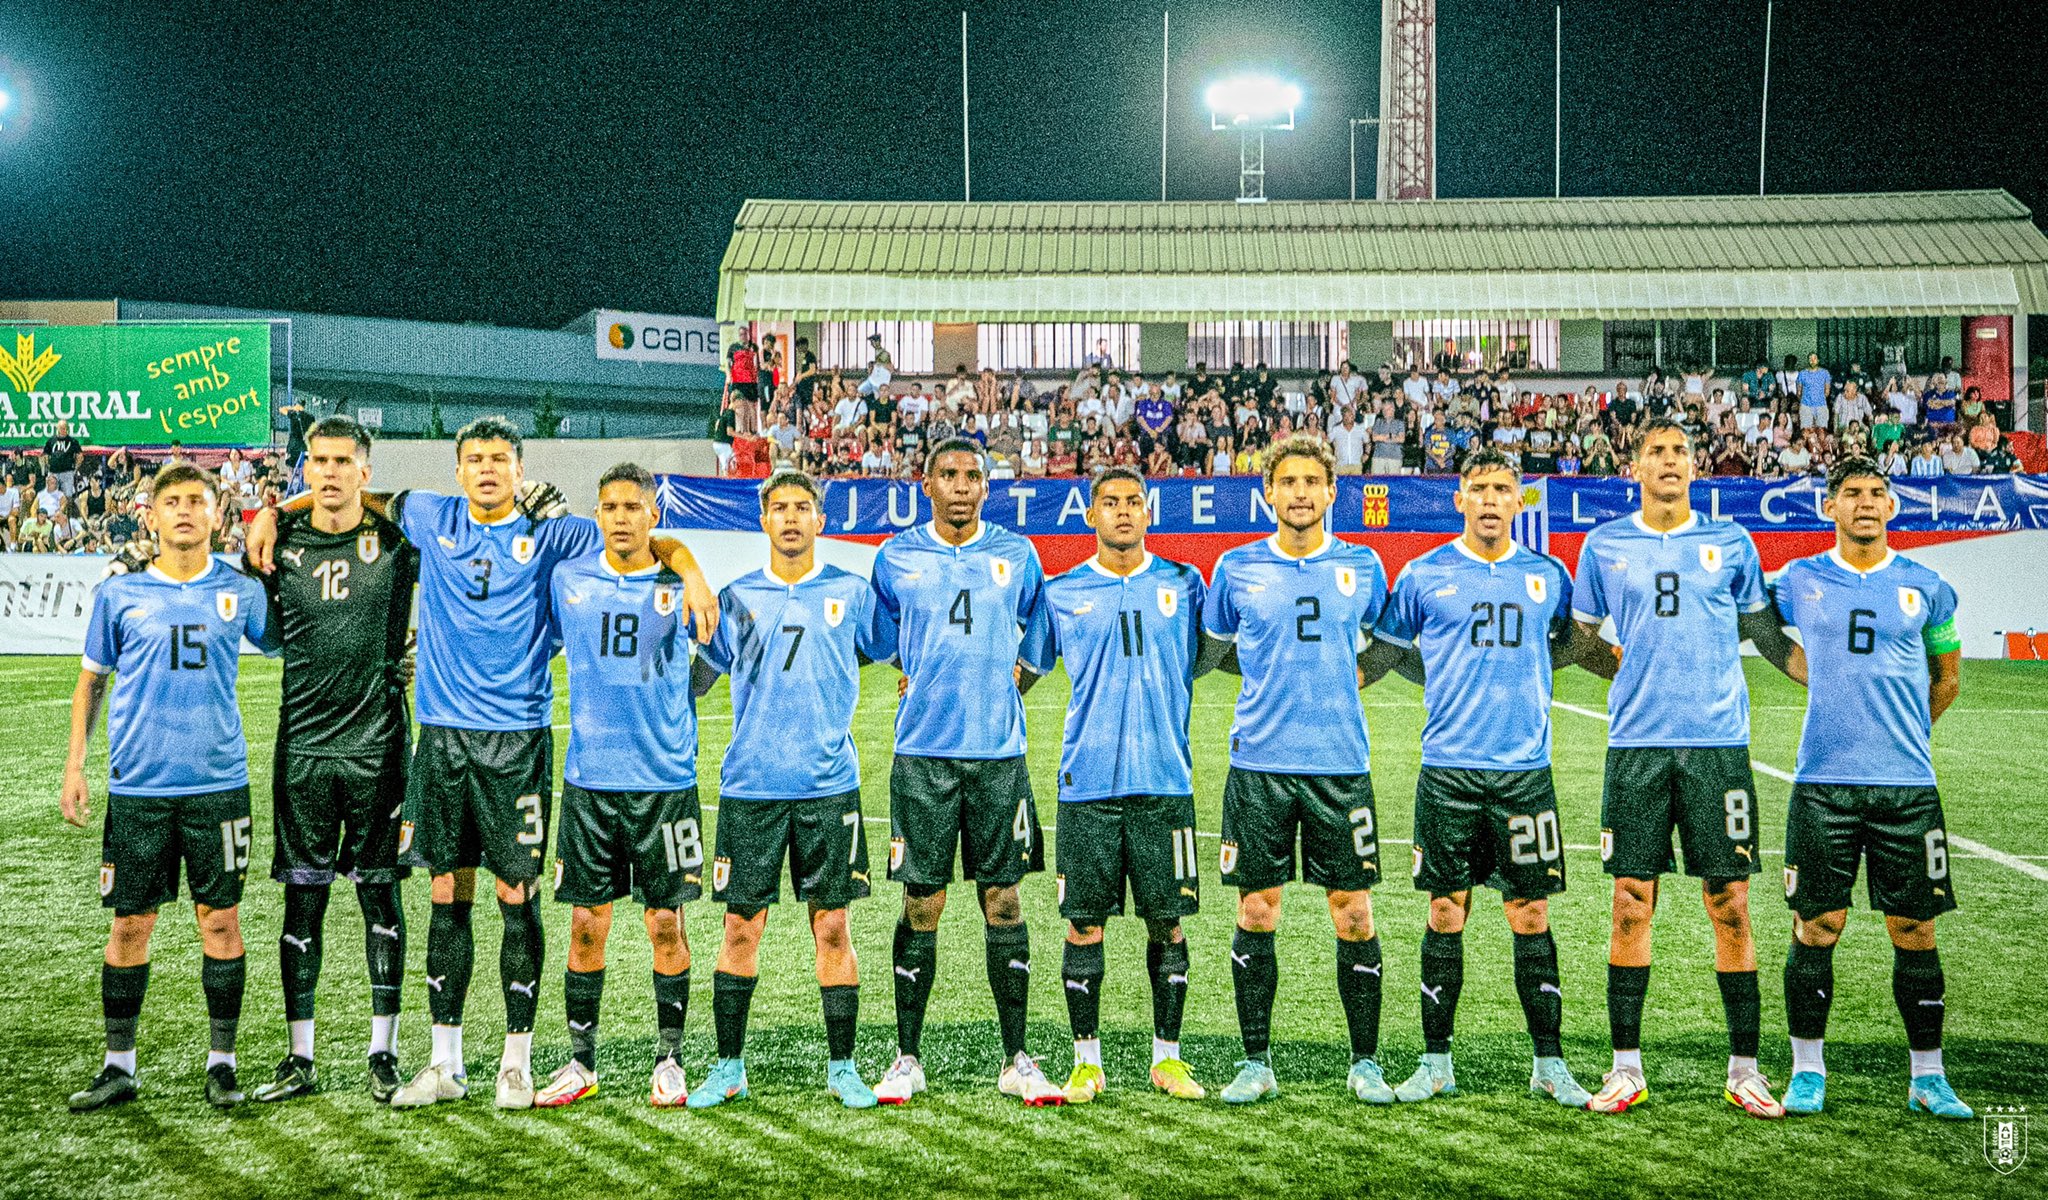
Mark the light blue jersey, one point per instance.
(485, 635)
(1677, 599)
(1299, 624)
(959, 618)
(175, 650)
(1868, 636)
(1485, 631)
(632, 717)
(793, 651)
(1130, 643)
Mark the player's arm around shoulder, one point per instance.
(1396, 633)
(698, 597)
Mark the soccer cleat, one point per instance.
(295, 1077)
(1932, 1094)
(1023, 1079)
(1172, 1076)
(1751, 1093)
(431, 1086)
(1085, 1083)
(1254, 1082)
(727, 1081)
(843, 1081)
(669, 1087)
(1368, 1083)
(384, 1077)
(1807, 1094)
(110, 1087)
(1550, 1077)
(570, 1083)
(515, 1088)
(903, 1079)
(1620, 1090)
(222, 1089)
(1433, 1077)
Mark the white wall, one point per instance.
(571, 464)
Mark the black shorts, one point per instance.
(146, 838)
(979, 809)
(479, 798)
(1340, 848)
(337, 816)
(822, 839)
(647, 845)
(1828, 826)
(1145, 842)
(1706, 793)
(1498, 828)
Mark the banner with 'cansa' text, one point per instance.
(136, 385)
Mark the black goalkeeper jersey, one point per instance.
(344, 601)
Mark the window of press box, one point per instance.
(1293, 346)
(843, 345)
(1054, 347)
(1476, 345)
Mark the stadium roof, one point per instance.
(1919, 253)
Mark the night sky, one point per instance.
(521, 163)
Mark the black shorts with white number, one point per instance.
(1498, 828)
(1262, 811)
(1830, 826)
(147, 838)
(980, 808)
(479, 798)
(647, 845)
(1144, 842)
(337, 816)
(823, 839)
(1707, 794)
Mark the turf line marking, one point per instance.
(1977, 848)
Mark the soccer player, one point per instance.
(1129, 626)
(1490, 622)
(178, 779)
(630, 814)
(480, 786)
(961, 602)
(1684, 591)
(793, 636)
(1299, 607)
(343, 597)
(1882, 661)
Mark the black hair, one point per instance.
(1656, 425)
(1485, 459)
(1128, 474)
(490, 429)
(956, 445)
(628, 472)
(179, 473)
(790, 477)
(1855, 466)
(341, 427)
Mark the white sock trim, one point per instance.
(1163, 1050)
(302, 1038)
(1807, 1056)
(1088, 1050)
(384, 1034)
(1926, 1062)
(1632, 1059)
(124, 1059)
(518, 1053)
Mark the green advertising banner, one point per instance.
(136, 385)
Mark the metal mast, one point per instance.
(1407, 167)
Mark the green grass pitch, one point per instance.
(961, 1137)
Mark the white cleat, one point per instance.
(571, 1082)
(1022, 1079)
(668, 1088)
(515, 1088)
(431, 1086)
(1751, 1093)
(903, 1079)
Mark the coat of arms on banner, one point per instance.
(2005, 1138)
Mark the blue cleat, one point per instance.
(1806, 1095)
(842, 1079)
(1254, 1082)
(1932, 1094)
(727, 1081)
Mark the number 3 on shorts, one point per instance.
(529, 808)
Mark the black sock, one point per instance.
(1081, 972)
(842, 1012)
(222, 979)
(1626, 987)
(582, 995)
(451, 956)
(519, 962)
(671, 1005)
(1536, 982)
(299, 948)
(1917, 987)
(1809, 988)
(1167, 964)
(1443, 977)
(1358, 987)
(1256, 976)
(1744, 1006)
(916, 959)
(121, 992)
(731, 996)
(383, 944)
(1008, 950)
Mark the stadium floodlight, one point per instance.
(1253, 105)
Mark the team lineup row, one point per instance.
(963, 608)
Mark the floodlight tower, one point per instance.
(1407, 100)
(1253, 105)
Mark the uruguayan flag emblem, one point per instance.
(1000, 569)
(1169, 601)
(522, 550)
(1539, 587)
(368, 547)
(1347, 580)
(227, 604)
(1909, 601)
(1710, 557)
(835, 611)
(664, 600)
